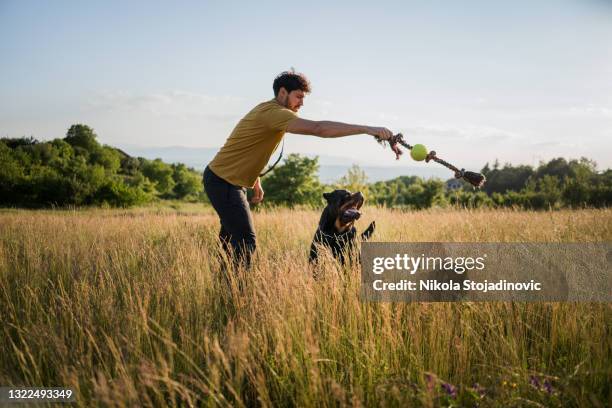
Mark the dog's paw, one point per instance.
(369, 231)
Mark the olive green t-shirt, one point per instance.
(251, 144)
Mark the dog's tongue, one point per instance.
(350, 215)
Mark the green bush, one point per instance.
(294, 182)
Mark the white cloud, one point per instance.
(591, 110)
(388, 116)
(173, 103)
(551, 144)
(463, 133)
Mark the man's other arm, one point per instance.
(325, 128)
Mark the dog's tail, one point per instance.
(365, 235)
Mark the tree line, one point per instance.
(555, 184)
(78, 171)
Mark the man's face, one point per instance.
(292, 100)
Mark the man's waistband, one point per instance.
(208, 172)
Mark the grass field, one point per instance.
(128, 308)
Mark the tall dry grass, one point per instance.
(129, 308)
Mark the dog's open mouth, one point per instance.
(349, 211)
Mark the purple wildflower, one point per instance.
(548, 386)
(535, 381)
(450, 389)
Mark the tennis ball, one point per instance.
(418, 152)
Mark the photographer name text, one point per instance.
(466, 285)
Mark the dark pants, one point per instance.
(237, 233)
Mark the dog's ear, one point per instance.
(327, 196)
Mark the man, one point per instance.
(238, 164)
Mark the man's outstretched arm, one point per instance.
(325, 128)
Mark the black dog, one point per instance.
(336, 228)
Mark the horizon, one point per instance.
(404, 162)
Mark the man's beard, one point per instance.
(286, 102)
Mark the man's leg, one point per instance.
(238, 223)
(238, 249)
(231, 205)
(224, 237)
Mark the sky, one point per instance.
(519, 81)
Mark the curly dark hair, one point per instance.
(291, 80)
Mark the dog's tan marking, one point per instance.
(343, 227)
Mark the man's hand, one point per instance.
(258, 193)
(380, 132)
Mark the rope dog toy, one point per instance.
(475, 179)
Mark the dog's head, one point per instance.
(342, 209)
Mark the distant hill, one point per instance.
(330, 173)
(331, 167)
